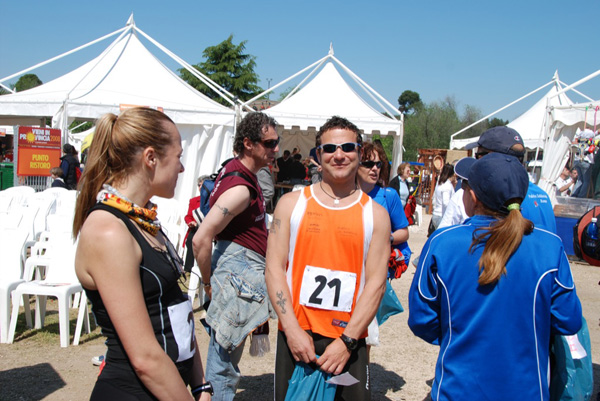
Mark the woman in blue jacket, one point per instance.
(491, 292)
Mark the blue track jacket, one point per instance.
(494, 339)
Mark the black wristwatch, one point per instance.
(203, 388)
(351, 343)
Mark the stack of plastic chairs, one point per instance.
(171, 221)
(12, 255)
(53, 257)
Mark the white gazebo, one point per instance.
(127, 74)
(531, 123)
(314, 101)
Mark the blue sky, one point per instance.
(484, 54)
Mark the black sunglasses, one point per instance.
(346, 147)
(271, 143)
(370, 163)
(479, 155)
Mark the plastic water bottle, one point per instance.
(591, 241)
(592, 229)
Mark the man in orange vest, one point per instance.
(326, 266)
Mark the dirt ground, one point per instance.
(402, 368)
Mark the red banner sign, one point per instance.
(35, 137)
(39, 150)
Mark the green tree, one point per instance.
(408, 101)
(470, 115)
(27, 81)
(230, 67)
(430, 127)
(497, 122)
(286, 92)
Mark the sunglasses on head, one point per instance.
(332, 147)
(370, 164)
(271, 143)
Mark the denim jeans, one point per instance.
(240, 302)
(222, 369)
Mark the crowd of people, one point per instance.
(320, 265)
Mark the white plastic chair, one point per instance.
(194, 286)
(18, 195)
(12, 243)
(60, 282)
(10, 220)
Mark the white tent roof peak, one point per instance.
(530, 124)
(125, 73)
(130, 21)
(326, 95)
(331, 48)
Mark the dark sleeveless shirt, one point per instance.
(162, 294)
(248, 228)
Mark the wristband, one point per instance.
(206, 284)
(203, 388)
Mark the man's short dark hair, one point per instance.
(286, 152)
(338, 122)
(253, 126)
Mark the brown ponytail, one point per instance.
(117, 143)
(502, 239)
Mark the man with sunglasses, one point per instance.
(326, 266)
(536, 206)
(234, 278)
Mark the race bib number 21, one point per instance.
(327, 289)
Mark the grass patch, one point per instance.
(50, 333)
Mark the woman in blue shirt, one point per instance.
(491, 292)
(368, 175)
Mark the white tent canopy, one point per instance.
(530, 124)
(562, 124)
(313, 102)
(127, 74)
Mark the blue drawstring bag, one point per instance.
(390, 304)
(309, 384)
(572, 379)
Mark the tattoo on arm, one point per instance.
(281, 301)
(275, 225)
(224, 210)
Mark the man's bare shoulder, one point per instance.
(289, 199)
(380, 215)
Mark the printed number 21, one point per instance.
(322, 280)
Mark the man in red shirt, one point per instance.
(234, 278)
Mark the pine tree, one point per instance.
(230, 67)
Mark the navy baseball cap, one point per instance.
(463, 166)
(496, 178)
(499, 139)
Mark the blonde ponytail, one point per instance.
(501, 239)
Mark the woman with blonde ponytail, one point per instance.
(127, 266)
(492, 291)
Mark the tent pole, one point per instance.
(573, 85)
(64, 54)
(102, 55)
(7, 88)
(372, 91)
(352, 75)
(304, 80)
(579, 93)
(499, 110)
(286, 80)
(206, 80)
